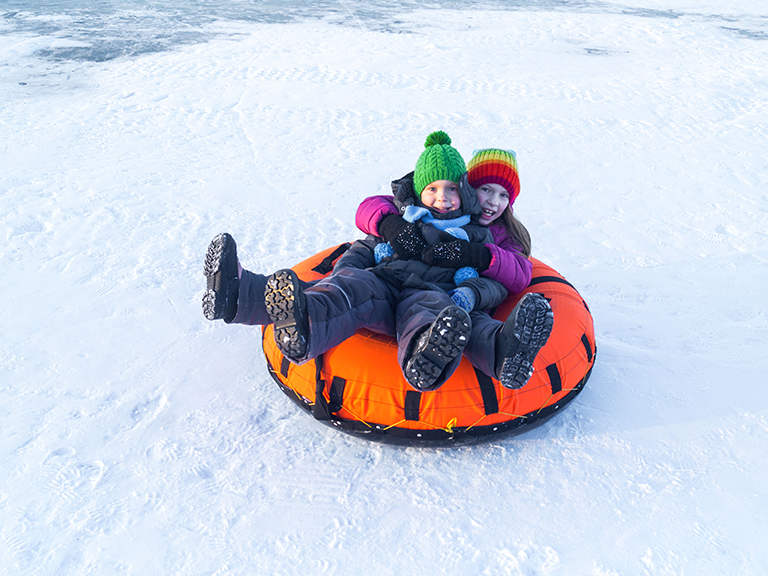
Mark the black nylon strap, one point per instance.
(284, 365)
(336, 393)
(326, 265)
(587, 347)
(488, 391)
(545, 279)
(320, 409)
(554, 378)
(412, 405)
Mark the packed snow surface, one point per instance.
(138, 438)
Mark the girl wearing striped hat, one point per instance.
(506, 350)
(493, 174)
(502, 350)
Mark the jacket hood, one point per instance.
(405, 195)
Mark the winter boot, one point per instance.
(524, 333)
(440, 343)
(287, 306)
(220, 299)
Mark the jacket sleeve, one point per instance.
(490, 293)
(509, 266)
(372, 210)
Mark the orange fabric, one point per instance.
(375, 388)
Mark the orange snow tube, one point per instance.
(358, 385)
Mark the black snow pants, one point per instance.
(352, 298)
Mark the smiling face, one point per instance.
(442, 196)
(494, 199)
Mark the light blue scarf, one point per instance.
(453, 227)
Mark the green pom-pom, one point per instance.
(438, 137)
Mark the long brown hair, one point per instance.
(517, 230)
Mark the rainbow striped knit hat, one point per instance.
(494, 166)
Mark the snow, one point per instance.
(139, 438)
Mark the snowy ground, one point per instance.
(138, 438)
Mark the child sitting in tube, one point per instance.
(502, 350)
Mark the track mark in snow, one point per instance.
(201, 471)
(344, 533)
(103, 288)
(153, 501)
(309, 492)
(230, 482)
(714, 237)
(165, 451)
(13, 540)
(529, 560)
(148, 409)
(71, 480)
(747, 33)
(325, 76)
(107, 518)
(235, 439)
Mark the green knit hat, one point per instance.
(440, 161)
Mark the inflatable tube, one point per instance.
(358, 386)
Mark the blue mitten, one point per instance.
(464, 296)
(464, 273)
(383, 250)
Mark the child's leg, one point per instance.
(506, 350)
(251, 307)
(524, 333)
(431, 334)
(346, 301)
(233, 294)
(481, 348)
(308, 323)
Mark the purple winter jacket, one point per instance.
(508, 265)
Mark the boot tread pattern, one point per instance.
(214, 297)
(443, 341)
(286, 311)
(533, 326)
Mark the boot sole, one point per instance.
(287, 307)
(443, 341)
(532, 327)
(214, 299)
